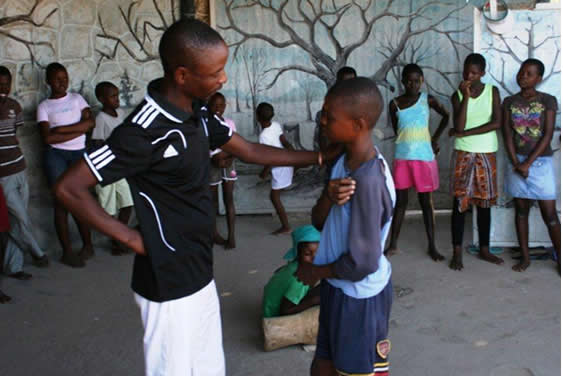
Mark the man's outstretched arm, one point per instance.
(250, 152)
(72, 191)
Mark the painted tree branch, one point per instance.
(139, 31)
(326, 16)
(27, 18)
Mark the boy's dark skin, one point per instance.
(110, 103)
(472, 87)
(3, 297)
(217, 105)
(196, 74)
(352, 129)
(58, 81)
(306, 254)
(412, 83)
(275, 194)
(528, 78)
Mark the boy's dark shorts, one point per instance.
(57, 161)
(353, 332)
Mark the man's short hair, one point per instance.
(52, 69)
(359, 97)
(102, 88)
(183, 40)
(265, 111)
(476, 59)
(345, 71)
(5, 72)
(537, 63)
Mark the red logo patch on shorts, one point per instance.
(383, 348)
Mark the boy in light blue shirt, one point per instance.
(354, 213)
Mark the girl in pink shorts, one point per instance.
(414, 163)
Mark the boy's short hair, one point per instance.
(102, 88)
(476, 59)
(360, 98)
(344, 71)
(53, 68)
(214, 97)
(183, 40)
(265, 111)
(537, 63)
(5, 72)
(411, 68)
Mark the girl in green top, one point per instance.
(477, 116)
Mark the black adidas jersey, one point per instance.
(163, 152)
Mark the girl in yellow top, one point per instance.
(477, 116)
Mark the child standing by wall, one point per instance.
(284, 294)
(528, 124)
(114, 198)
(477, 116)
(356, 292)
(272, 134)
(64, 118)
(13, 179)
(414, 163)
(222, 171)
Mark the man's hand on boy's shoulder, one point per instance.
(340, 191)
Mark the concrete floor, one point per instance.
(486, 320)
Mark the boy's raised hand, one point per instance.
(465, 88)
(341, 190)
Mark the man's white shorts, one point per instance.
(183, 336)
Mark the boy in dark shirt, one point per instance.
(162, 149)
(356, 290)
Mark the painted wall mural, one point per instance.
(287, 52)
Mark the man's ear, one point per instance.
(360, 124)
(181, 75)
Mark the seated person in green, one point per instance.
(284, 294)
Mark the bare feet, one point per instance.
(435, 255)
(219, 240)
(390, 251)
(4, 298)
(87, 252)
(486, 255)
(457, 259)
(282, 230)
(521, 266)
(21, 275)
(73, 260)
(230, 244)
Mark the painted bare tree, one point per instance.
(310, 93)
(30, 19)
(142, 30)
(421, 52)
(253, 61)
(533, 43)
(320, 18)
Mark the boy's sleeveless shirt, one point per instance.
(479, 112)
(413, 138)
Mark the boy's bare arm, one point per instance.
(545, 140)
(250, 152)
(393, 116)
(265, 171)
(67, 132)
(72, 191)
(440, 109)
(460, 111)
(312, 298)
(507, 135)
(337, 191)
(286, 144)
